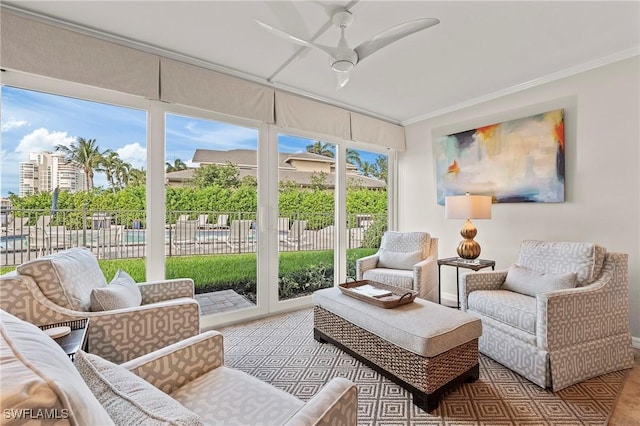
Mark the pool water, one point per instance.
(131, 236)
(137, 236)
(14, 242)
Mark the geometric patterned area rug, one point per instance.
(280, 350)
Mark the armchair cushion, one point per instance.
(398, 259)
(585, 259)
(66, 278)
(510, 308)
(396, 277)
(529, 282)
(122, 292)
(128, 398)
(231, 397)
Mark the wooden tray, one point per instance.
(399, 296)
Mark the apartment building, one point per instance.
(45, 171)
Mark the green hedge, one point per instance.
(316, 206)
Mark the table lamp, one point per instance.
(468, 207)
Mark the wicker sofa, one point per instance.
(405, 259)
(185, 383)
(558, 316)
(60, 288)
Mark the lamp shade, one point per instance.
(467, 207)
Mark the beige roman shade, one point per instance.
(37, 48)
(199, 87)
(296, 112)
(378, 132)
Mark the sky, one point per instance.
(35, 121)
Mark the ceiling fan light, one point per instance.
(342, 65)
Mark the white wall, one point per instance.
(602, 181)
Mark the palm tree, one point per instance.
(121, 171)
(382, 167)
(368, 169)
(107, 165)
(136, 177)
(178, 164)
(321, 148)
(353, 157)
(86, 153)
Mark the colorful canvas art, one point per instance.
(515, 161)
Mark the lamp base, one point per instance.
(468, 248)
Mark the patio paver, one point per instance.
(221, 301)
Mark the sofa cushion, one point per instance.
(67, 277)
(397, 277)
(38, 375)
(514, 309)
(128, 398)
(226, 396)
(398, 259)
(585, 259)
(529, 282)
(122, 292)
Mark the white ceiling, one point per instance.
(479, 50)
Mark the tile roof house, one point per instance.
(298, 168)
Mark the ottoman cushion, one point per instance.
(421, 327)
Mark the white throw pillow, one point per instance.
(122, 292)
(397, 259)
(526, 281)
(129, 399)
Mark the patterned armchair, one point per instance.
(405, 259)
(185, 383)
(557, 317)
(60, 287)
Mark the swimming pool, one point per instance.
(138, 236)
(130, 236)
(13, 242)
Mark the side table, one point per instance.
(457, 262)
(74, 341)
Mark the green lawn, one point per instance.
(300, 272)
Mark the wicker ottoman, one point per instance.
(424, 347)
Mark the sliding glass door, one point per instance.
(257, 217)
(306, 216)
(366, 204)
(211, 210)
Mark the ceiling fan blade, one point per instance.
(331, 51)
(393, 34)
(343, 78)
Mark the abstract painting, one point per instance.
(514, 161)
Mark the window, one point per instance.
(73, 175)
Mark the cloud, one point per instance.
(134, 154)
(211, 135)
(36, 141)
(12, 123)
(41, 140)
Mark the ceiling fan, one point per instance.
(342, 58)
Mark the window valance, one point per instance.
(36, 47)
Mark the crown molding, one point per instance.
(568, 72)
